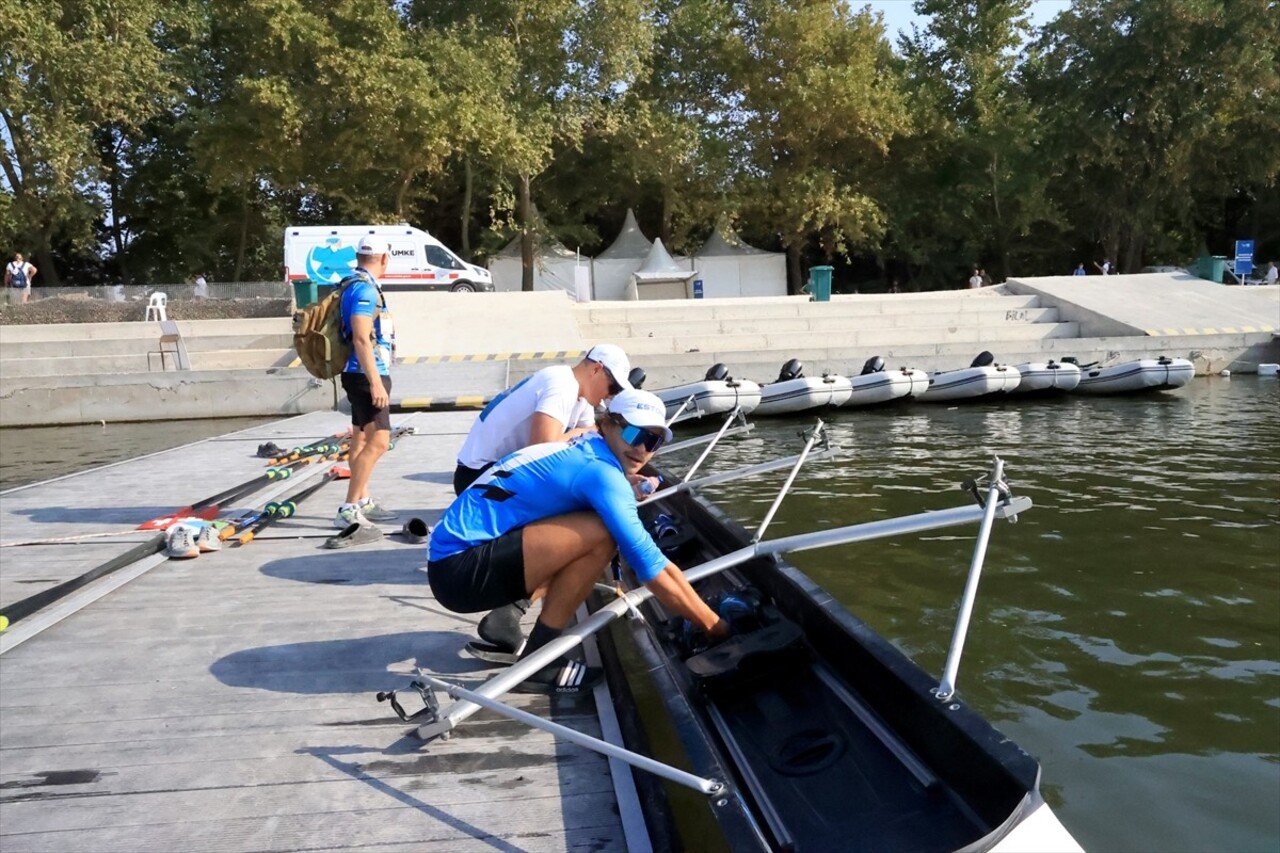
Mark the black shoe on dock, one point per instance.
(562, 677)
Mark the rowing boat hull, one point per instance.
(1038, 377)
(841, 745)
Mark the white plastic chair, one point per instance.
(156, 307)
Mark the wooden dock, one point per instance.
(226, 703)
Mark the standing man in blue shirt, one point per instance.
(547, 519)
(366, 378)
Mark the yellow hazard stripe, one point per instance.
(462, 401)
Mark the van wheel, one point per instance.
(463, 287)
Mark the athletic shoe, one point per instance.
(562, 677)
(207, 539)
(270, 450)
(372, 511)
(349, 516)
(180, 544)
(354, 534)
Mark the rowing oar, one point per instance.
(32, 603)
(273, 511)
(212, 505)
(308, 449)
(572, 637)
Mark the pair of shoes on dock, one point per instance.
(182, 542)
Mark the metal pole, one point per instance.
(666, 771)
(509, 678)
(777, 502)
(947, 687)
(706, 451)
(736, 474)
(701, 439)
(680, 411)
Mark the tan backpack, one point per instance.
(317, 332)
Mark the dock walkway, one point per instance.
(226, 703)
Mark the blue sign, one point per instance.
(1244, 257)
(697, 288)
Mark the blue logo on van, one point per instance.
(327, 264)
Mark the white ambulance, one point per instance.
(323, 254)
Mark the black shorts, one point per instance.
(481, 578)
(464, 476)
(362, 409)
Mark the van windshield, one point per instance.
(440, 257)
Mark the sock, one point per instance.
(364, 501)
(346, 506)
(539, 637)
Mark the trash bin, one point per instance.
(1211, 267)
(304, 293)
(819, 284)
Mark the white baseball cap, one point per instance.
(640, 408)
(613, 358)
(372, 245)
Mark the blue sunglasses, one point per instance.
(637, 436)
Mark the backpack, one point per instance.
(317, 333)
(18, 275)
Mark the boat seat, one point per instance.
(747, 658)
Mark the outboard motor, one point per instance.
(875, 364)
(717, 373)
(793, 369)
(1071, 359)
(636, 377)
(984, 359)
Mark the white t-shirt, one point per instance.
(506, 423)
(1272, 275)
(975, 281)
(16, 268)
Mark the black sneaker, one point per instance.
(562, 677)
(270, 450)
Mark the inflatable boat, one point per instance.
(717, 394)
(794, 392)
(979, 379)
(875, 384)
(1147, 374)
(1038, 377)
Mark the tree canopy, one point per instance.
(160, 139)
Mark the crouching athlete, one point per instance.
(548, 519)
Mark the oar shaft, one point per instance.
(736, 474)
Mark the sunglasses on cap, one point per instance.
(640, 436)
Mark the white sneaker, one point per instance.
(347, 517)
(373, 511)
(207, 539)
(180, 544)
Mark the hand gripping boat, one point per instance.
(1147, 374)
(805, 730)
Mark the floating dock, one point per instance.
(226, 702)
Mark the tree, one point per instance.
(69, 70)
(819, 106)
(1159, 106)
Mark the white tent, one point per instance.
(611, 270)
(729, 267)
(660, 277)
(553, 266)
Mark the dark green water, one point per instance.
(1127, 629)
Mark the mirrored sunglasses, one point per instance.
(637, 436)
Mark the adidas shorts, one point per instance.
(363, 411)
(481, 578)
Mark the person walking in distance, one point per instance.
(367, 378)
(1079, 270)
(18, 274)
(555, 404)
(1104, 267)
